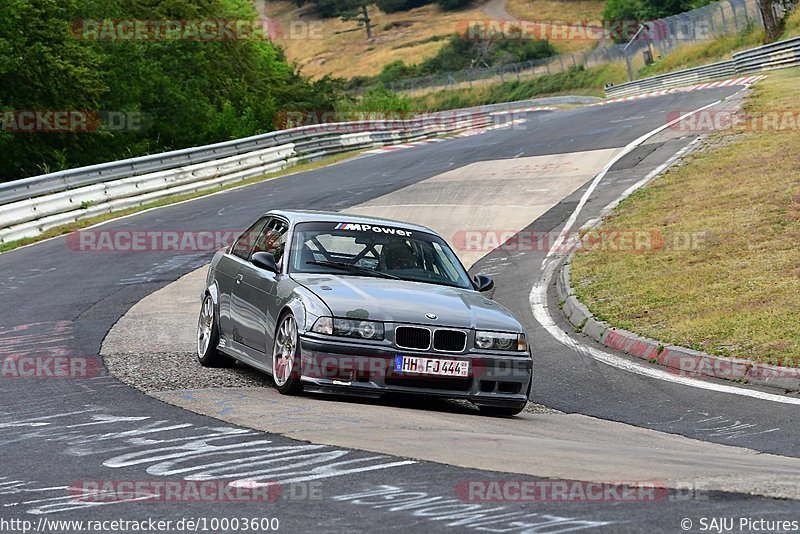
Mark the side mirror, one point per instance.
(483, 283)
(266, 261)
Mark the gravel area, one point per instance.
(162, 371)
(168, 371)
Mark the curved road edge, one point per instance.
(683, 361)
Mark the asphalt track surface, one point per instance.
(55, 433)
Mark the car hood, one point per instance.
(399, 301)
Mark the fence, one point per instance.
(31, 206)
(702, 24)
(778, 55)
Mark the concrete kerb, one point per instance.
(682, 360)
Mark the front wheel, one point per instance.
(208, 337)
(285, 360)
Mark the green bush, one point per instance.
(378, 99)
(462, 53)
(453, 5)
(625, 11)
(394, 6)
(396, 70)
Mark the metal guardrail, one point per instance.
(674, 79)
(778, 55)
(698, 25)
(33, 205)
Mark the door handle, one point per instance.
(239, 278)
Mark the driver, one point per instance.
(398, 255)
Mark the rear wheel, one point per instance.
(285, 359)
(208, 337)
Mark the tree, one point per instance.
(453, 5)
(191, 91)
(356, 10)
(772, 24)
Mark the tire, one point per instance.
(501, 411)
(285, 356)
(208, 337)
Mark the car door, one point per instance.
(255, 290)
(226, 271)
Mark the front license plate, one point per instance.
(431, 366)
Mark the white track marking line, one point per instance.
(538, 301)
(627, 149)
(538, 294)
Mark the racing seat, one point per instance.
(397, 255)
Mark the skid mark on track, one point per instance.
(160, 271)
(33, 339)
(715, 426)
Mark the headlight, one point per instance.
(500, 341)
(356, 328)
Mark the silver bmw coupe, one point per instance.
(336, 303)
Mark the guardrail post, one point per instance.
(630, 66)
(714, 24)
(735, 15)
(722, 15)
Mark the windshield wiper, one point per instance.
(354, 268)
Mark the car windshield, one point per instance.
(358, 249)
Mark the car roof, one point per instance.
(299, 216)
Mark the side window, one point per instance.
(273, 239)
(244, 243)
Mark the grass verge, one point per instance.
(736, 292)
(90, 221)
(792, 25)
(694, 55)
(577, 81)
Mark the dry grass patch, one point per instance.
(577, 12)
(736, 293)
(410, 36)
(561, 10)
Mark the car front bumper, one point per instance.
(330, 366)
